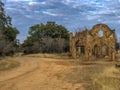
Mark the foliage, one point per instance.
(49, 37)
(11, 33)
(51, 29)
(8, 41)
(4, 20)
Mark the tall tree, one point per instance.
(4, 19)
(8, 41)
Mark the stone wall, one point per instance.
(98, 42)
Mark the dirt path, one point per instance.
(37, 74)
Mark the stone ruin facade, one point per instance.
(99, 42)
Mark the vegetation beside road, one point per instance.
(46, 38)
(52, 56)
(96, 76)
(109, 79)
(8, 63)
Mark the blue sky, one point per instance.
(73, 14)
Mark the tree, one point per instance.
(8, 41)
(51, 29)
(4, 19)
(49, 37)
(11, 33)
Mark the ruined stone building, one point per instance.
(99, 42)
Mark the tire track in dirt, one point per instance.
(42, 76)
(20, 71)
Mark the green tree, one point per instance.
(11, 33)
(4, 19)
(51, 29)
(8, 41)
(49, 37)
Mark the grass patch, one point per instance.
(95, 76)
(109, 79)
(8, 63)
(54, 56)
(83, 75)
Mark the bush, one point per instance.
(46, 38)
(8, 63)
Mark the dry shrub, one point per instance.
(8, 63)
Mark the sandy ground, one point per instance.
(36, 73)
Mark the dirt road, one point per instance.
(36, 73)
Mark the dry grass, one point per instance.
(95, 76)
(83, 75)
(109, 79)
(54, 56)
(8, 63)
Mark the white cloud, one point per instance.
(11, 9)
(33, 3)
(101, 12)
(36, 3)
(29, 16)
(18, 0)
(92, 17)
(50, 13)
(37, 11)
(70, 13)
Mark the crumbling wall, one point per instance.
(93, 43)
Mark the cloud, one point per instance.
(70, 13)
(18, 0)
(51, 12)
(36, 3)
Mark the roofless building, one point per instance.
(99, 42)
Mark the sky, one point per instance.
(73, 14)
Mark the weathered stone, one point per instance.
(99, 42)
